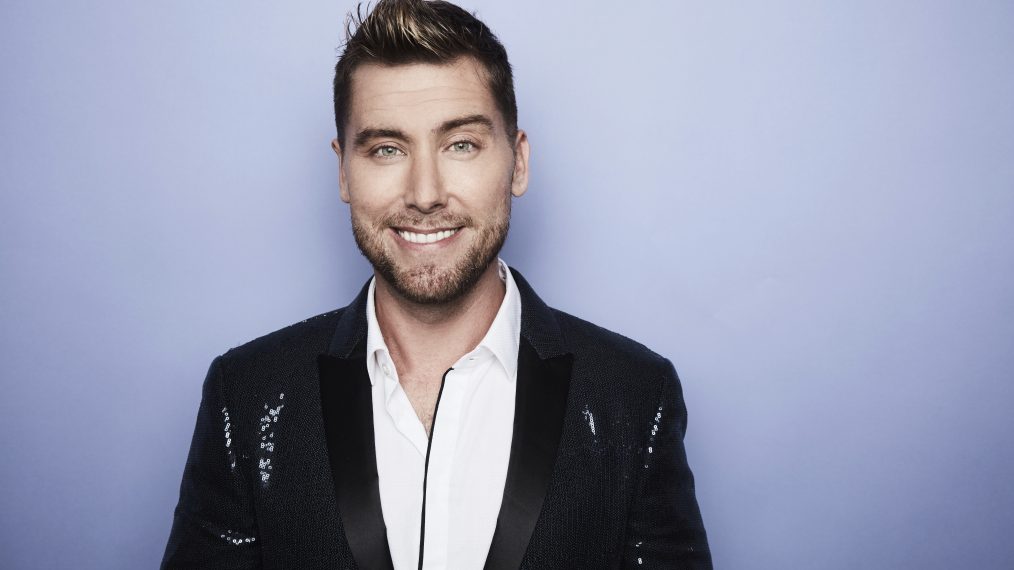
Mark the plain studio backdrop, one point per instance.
(807, 206)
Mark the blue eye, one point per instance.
(463, 146)
(386, 151)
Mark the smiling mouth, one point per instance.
(431, 237)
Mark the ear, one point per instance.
(343, 185)
(521, 151)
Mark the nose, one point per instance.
(425, 191)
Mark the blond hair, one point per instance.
(399, 32)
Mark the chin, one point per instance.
(426, 282)
(430, 285)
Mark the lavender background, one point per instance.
(807, 206)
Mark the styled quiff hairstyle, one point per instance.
(398, 32)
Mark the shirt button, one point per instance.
(386, 369)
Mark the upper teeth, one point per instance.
(426, 238)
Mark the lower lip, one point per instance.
(427, 246)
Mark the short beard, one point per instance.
(428, 284)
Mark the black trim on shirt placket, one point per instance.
(426, 470)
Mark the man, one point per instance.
(446, 418)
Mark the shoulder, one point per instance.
(608, 350)
(290, 347)
(275, 371)
(617, 378)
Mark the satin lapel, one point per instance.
(348, 422)
(541, 401)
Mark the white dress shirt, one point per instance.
(469, 452)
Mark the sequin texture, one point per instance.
(654, 432)
(235, 538)
(267, 444)
(230, 451)
(590, 418)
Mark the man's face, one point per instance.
(428, 173)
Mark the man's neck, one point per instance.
(433, 337)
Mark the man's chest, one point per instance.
(422, 388)
(457, 469)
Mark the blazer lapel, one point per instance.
(543, 383)
(347, 407)
(348, 423)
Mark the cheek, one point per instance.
(367, 212)
(370, 217)
(374, 192)
(478, 182)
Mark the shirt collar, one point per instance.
(504, 334)
(502, 338)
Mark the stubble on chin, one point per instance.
(430, 284)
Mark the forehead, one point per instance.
(419, 94)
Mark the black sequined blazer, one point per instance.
(282, 468)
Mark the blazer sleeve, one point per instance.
(214, 524)
(664, 528)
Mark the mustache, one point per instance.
(425, 221)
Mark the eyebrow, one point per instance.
(452, 124)
(366, 135)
